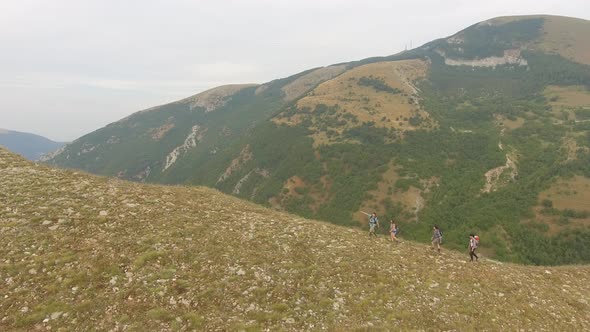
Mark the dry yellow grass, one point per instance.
(565, 194)
(509, 124)
(571, 193)
(568, 96)
(308, 81)
(366, 103)
(565, 99)
(567, 37)
(319, 193)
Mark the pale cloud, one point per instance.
(223, 70)
(69, 67)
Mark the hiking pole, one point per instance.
(365, 213)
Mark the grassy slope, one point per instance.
(174, 258)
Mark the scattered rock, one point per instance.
(56, 315)
(103, 213)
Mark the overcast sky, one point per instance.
(70, 67)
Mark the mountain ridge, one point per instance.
(31, 146)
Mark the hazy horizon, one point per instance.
(73, 67)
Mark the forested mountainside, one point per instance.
(485, 131)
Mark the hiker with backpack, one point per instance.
(373, 223)
(393, 231)
(473, 244)
(436, 237)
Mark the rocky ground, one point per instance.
(80, 252)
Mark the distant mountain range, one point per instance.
(487, 130)
(30, 146)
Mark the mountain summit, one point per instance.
(485, 131)
(81, 252)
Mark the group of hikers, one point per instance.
(436, 239)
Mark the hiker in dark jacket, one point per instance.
(436, 237)
(473, 243)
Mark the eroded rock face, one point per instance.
(510, 57)
(497, 177)
(47, 157)
(236, 164)
(260, 171)
(195, 136)
(159, 133)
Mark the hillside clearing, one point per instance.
(383, 93)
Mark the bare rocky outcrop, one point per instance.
(494, 177)
(236, 164)
(260, 171)
(143, 175)
(49, 156)
(195, 136)
(87, 148)
(510, 57)
(159, 133)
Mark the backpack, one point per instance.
(476, 241)
(373, 220)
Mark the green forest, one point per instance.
(458, 158)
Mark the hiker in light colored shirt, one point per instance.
(436, 237)
(373, 222)
(393, 231)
